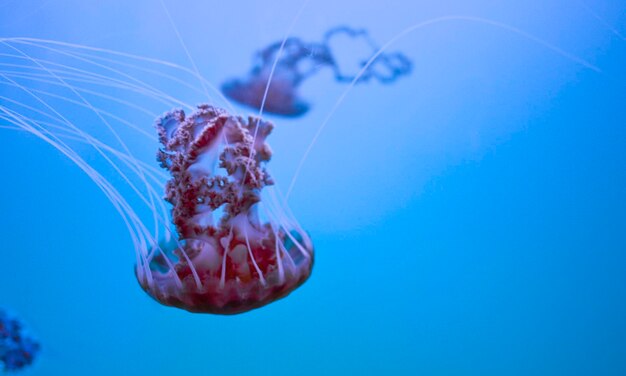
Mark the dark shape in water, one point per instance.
(17, 349)
(300, 60)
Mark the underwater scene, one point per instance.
(313, 187)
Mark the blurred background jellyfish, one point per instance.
(17, 348)
(288, 63)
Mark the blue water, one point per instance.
(469, 219)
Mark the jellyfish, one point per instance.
(17, 349)
(227, 259)
(288, 63)
(211, 232)
(224, 240)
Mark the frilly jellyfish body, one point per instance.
(272, 83)
(227, 259)
(210, 231)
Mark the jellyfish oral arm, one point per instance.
(235, 251)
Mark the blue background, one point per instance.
(469, 219)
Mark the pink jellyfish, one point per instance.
(229, 243)
(232, 254)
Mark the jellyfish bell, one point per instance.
(282, 94)
(234, 251)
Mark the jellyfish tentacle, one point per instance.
(287, 217)
(279, 260)
(253, 259)
(266, 57)
(101, 66)
(112, 53)
(155, 175)
(110, 128)
(602, 20)
(126, 158)
(277, 58)
(138, 172)
(188, 54)
(101, 111)
(401, 35)
(110, 192)
(80, 75)
(225, 243)
(105, 185)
